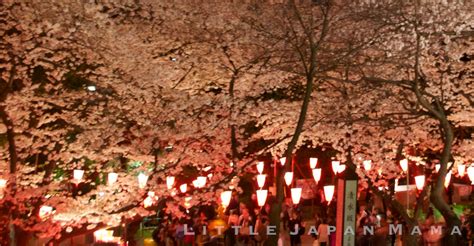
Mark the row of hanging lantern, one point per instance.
(420, 179)
(296, 192)
(78, 175)
(112, 178)
(328, 189)
(288, 177)
(261, 193)
(461, 171)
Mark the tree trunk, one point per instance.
(11, 139)
(276, 209)
(452, 221)
(7, 232)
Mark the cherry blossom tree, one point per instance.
(417, 72)
(96, 103)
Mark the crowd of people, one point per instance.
(245, 223)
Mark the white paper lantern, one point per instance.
(112, 178)
(142, 180)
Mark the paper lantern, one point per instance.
(187, 202)
(3, 184)
(196, 183)
(77, 175)
(470, 174)
(260, 166)
(367, 165)
(296, 195)
(170, 182)
(112, 178)
(142, 180)
(341, 168)
(91, 88)
(288, 178)
(261, 197)
(313, 162)
(225, 198)
(183, 188)
(104, 236)
(317, 174)
(461, 170)
(282, 161)
(437, 167)
(45, 211)
(404, 165)
(420, 182)
(447, 179)
(201, 181)
(261, 180)
(328, 192)
(148, 202)
(335, 166)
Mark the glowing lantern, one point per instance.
(187, 202)
(283, 161)
(202, 181)
(45, 211)
(367, 165)
(461, 170)
(341, 168)
(313, 162)
(3, 183)
(379, 172)
(470, 174)
(317, 174)
(335, 166)
(112, 178)
(447, 180)
(104, 236)
(288, 178)
(170, 182)
(296, 195)
(142, 179)
(77, 175)
(183, 188)
(196, 183)
(173, 192)
(147, 202)
(231, 164)
(328, 193)
(420, 182)
(261, 180)
(262, 197)
(225, 198)
(260, 166)
(404, 164)
(437, 167)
